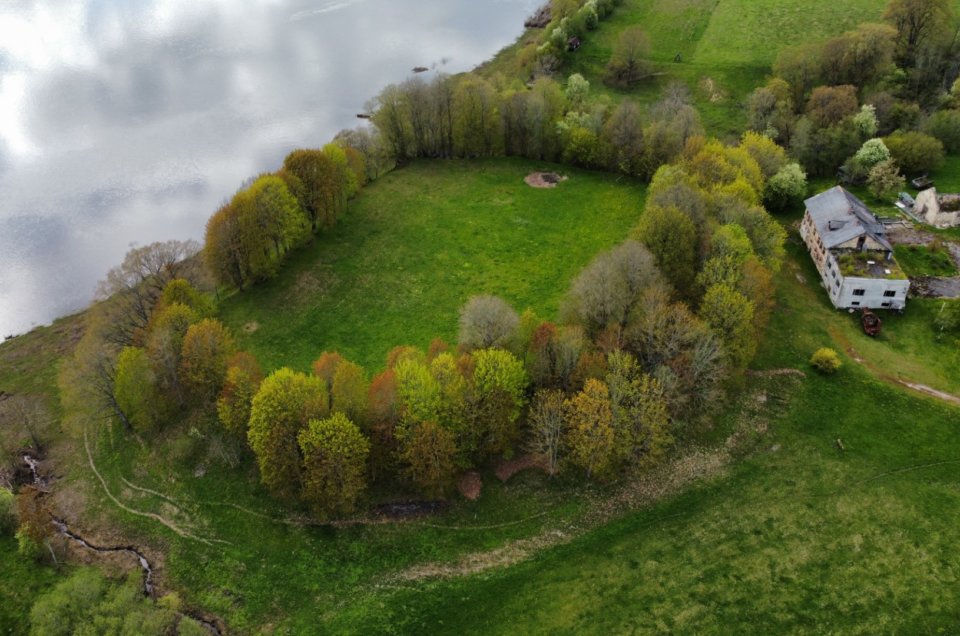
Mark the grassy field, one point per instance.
(920, 260)
(28, 366)
(802, 537)
(796, 536)
(422, 240)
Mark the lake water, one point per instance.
(125, 122)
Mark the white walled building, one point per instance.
(850, 249)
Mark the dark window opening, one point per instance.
(859, 292)
(855, 303)
(890, 293)
(884, 304)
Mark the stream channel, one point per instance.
(64, 530)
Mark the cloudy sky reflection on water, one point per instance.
(125, 122)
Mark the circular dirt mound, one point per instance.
(543, 179)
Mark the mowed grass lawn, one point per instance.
(417, 244)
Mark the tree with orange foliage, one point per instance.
(325, 367)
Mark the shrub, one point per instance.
(885, 180)
(785, 188)
(945, 126)
(915, 152)
(825, 360)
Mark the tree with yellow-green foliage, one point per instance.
(236, 397)
(730, 314)
(418, 394)
(164, 345)
(312, 176)
(769, 156)
(284, 403)
(499, 382)
(639, 410)
(181, 291)
(136, 391)
(207, 346)
(672, 238)
(348, 393)
(429, 453)
(334, 465)
(590, 435)
(477, 126)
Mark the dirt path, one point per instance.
(694, 466)
(878, 373)
(149, 515)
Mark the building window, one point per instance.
(890, 293)
(855, 303)
(884, 304)
(859, 292)
(836, 282)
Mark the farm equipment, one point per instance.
(871, 323)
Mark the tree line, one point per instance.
(649, 333)
(247, 239)
(880, 100)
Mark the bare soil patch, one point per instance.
(409, 509)
(470, 485)
(543, 179)
(508, 468)
(250, 327)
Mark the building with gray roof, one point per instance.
(849, 246)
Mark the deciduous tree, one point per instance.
(627, 64)
(136, 390)
(487, 321)
(915, 152)
(607, 290)
(916, 23)
(830, 104)
(284, 403)
(334, 464)
(590, 436)
(240, 385)
(730, 314)
(671, 237)
(429, 453)
(207, 347)
(786, 188)
(499, 382)
(348, 392)
(547, 426)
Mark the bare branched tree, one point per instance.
(487, 321)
